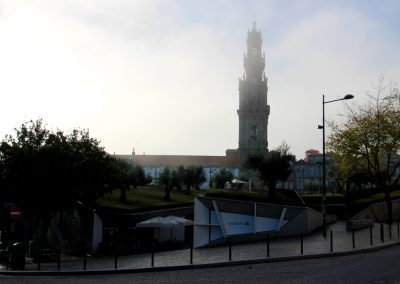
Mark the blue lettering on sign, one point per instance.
(239, 223)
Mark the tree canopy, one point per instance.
(194, 177)
(221, 177)
(166, 180)
(126, 176)
(272, 166)
(43, 170)
(368, 142)
(191, 176)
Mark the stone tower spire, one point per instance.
(253, 107)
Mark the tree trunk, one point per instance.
(167, 192)
(272, 189)
(389, 206)
(122, 198)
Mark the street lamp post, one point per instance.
(302, 180)
(319, 177)
(210, 172)
(346, 97)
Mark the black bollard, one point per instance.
(301, 243)
(267, 245)
(39, 258)
(331, 241)
(59, 261)
(353, 239)
(8, 259)
(116, 261)
(84, 261)
(230, 248)
(382, 233)
(152, 258)
(191, 252)
(370, 235)
(390, 231)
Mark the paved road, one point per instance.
(374, 267)
(314, 243)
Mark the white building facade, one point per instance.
(154, 165)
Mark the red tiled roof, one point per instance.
(313, 152)
(229, 161)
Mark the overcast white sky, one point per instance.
(162, 76)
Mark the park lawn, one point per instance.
(146, 197)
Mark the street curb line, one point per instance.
(198, 266)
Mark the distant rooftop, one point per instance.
(230, 160)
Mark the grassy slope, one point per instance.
(144, 197)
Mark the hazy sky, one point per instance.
(162, 76)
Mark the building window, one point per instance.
(254, 50)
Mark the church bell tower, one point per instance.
(253, 107)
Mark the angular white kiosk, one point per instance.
(216, 220)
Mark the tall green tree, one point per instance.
(194, 177)
(178, 177)
(221, 177)
(200, 177)
(273, 166)
(349, 175)
(370, 135)
(45, 171)
(126, 176)
(166, 181)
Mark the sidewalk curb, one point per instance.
(198, 266)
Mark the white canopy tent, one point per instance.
(165, 222)
(235, 184)
(175, 225)
(179, 221)
(157, 222)
(238, 181)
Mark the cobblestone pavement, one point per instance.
(313, 244)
